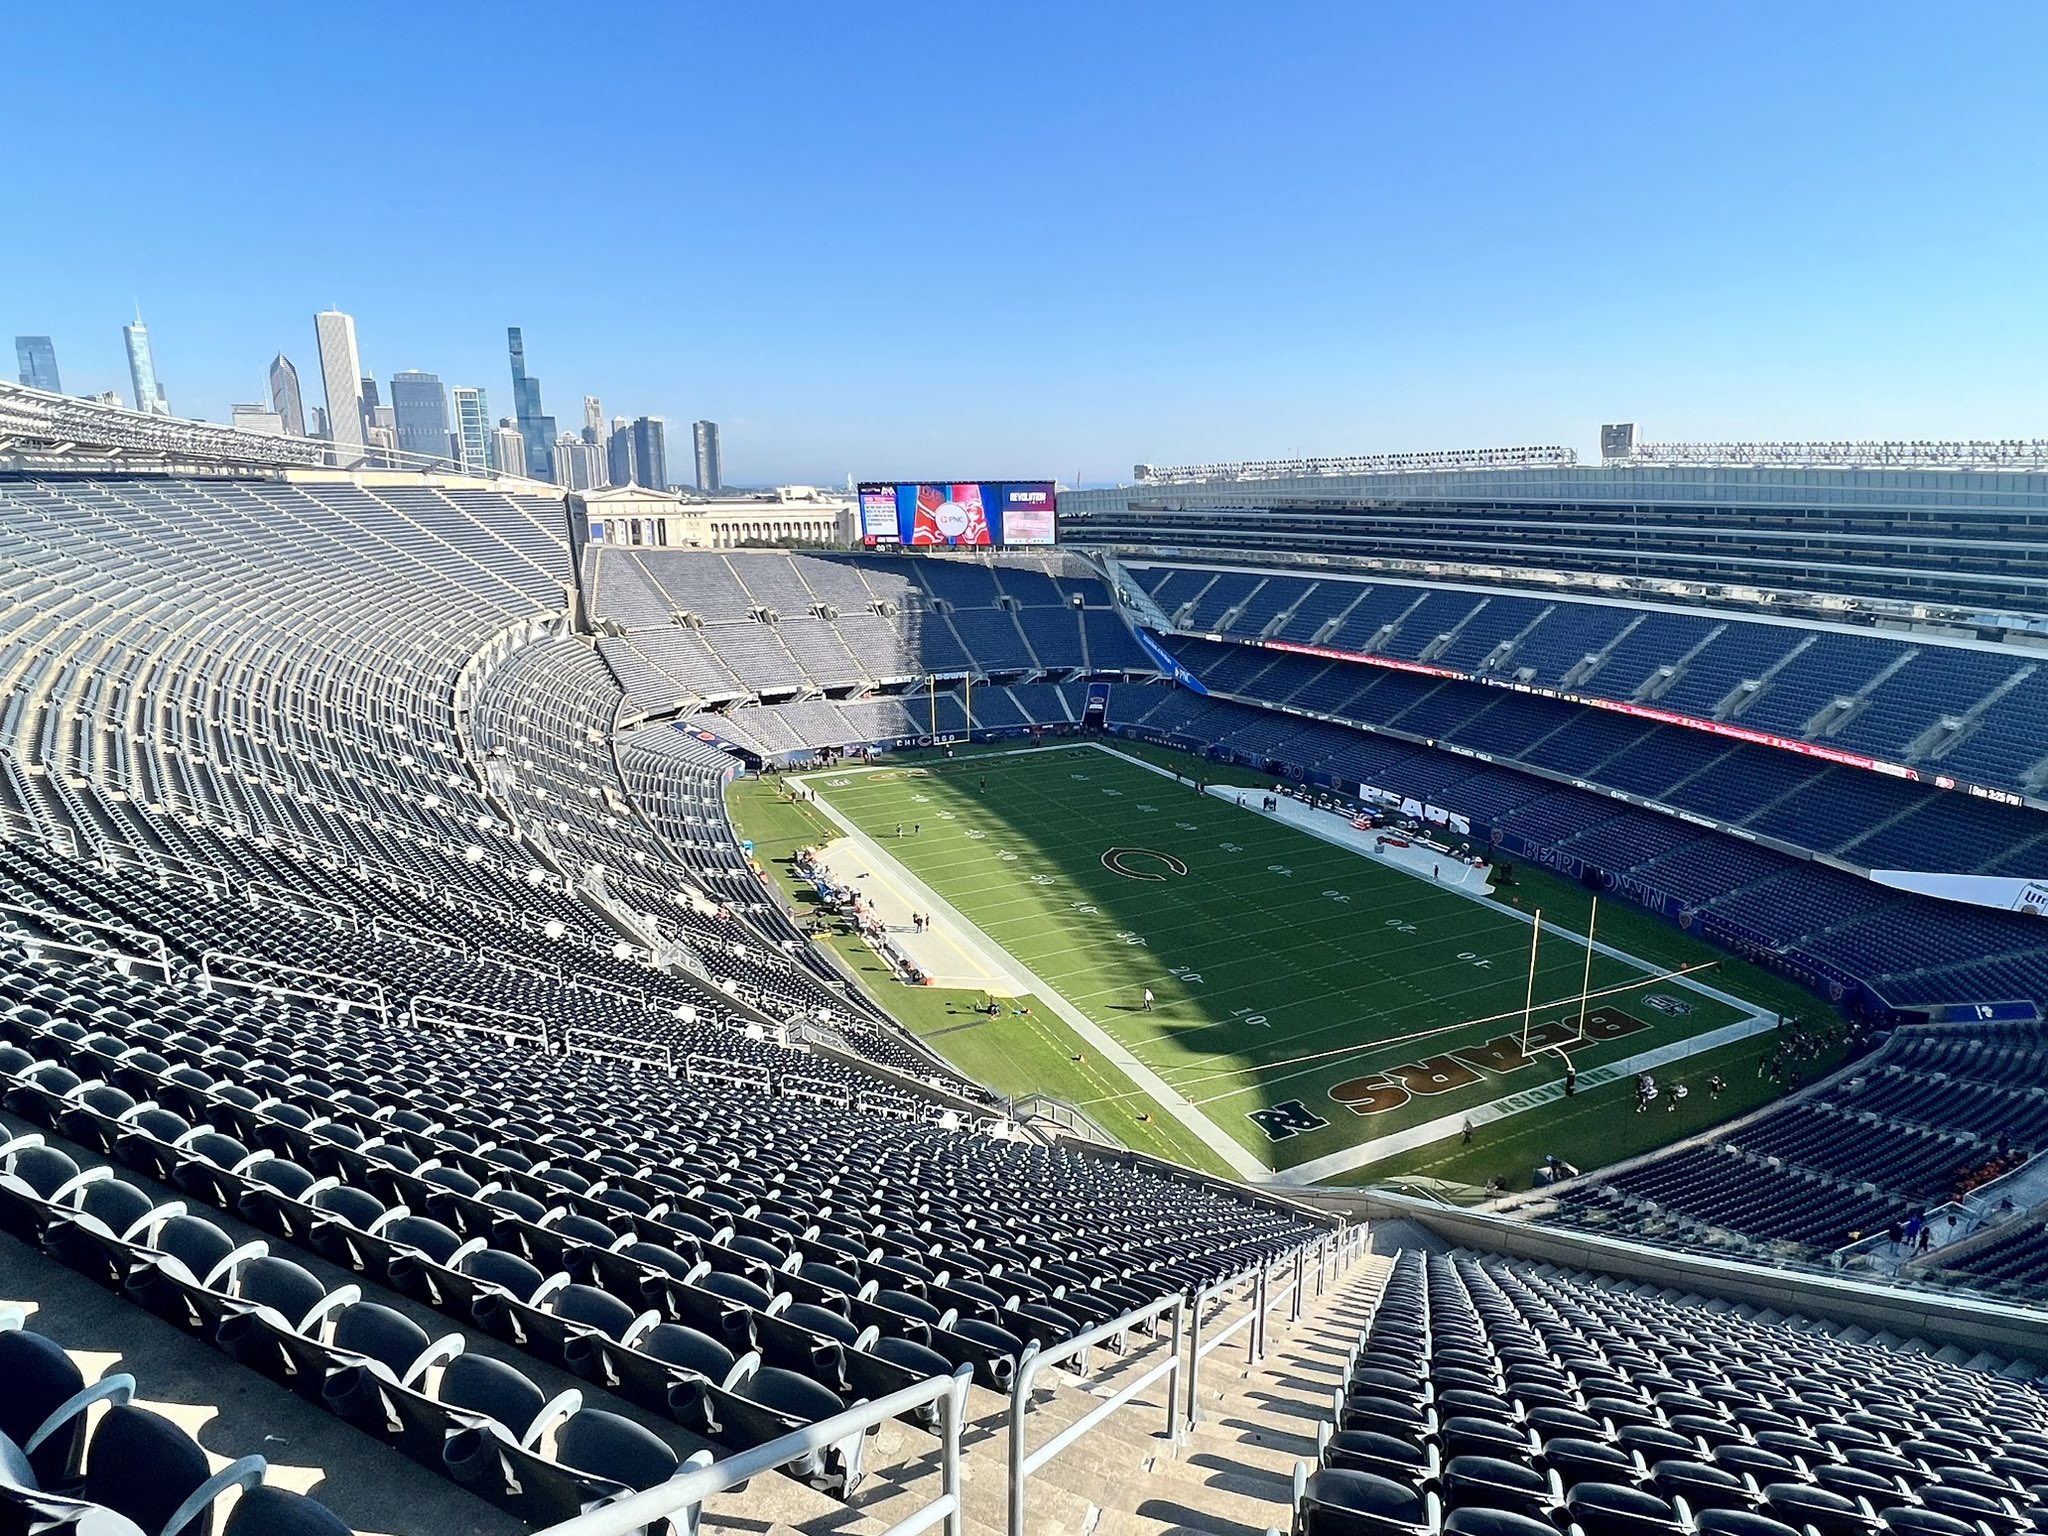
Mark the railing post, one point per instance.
(1173, 1426)
(1195, 1355)
(1300, 1277)
(952, 1411)
(1258, 1344)
(1020, 1394)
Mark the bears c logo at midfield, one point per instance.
(1134, 863)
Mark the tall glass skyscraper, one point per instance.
(341, 375)
(650, 453)
(472, 430)
(710, 466)
(420, 412)
(37, 356)
(618, 453)
(149, 394)
(593, 420)
(535, 426)
(285, 398)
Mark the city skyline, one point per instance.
(1203, 240)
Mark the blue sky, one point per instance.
(1054, 239)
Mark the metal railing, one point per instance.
(1022, 1462)
(679, 1501)
(294, 981)
(1064, 1117)
(154, 951)
(428, 1011)
(384, 926)
(1333, 1252)
(631, 1049)
(1200, 1349)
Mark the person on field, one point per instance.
(1148, 999)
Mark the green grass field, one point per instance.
(1284, 968)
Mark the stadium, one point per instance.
(1461, 992)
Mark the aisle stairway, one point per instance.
(1230, 1476)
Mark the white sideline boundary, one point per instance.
(1754, 1021)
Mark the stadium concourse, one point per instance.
(420, 1116)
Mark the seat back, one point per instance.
(373, 1329)
(479, 1384)
(143, 1466)
(40, 1377)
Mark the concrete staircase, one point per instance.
(1231, 1475)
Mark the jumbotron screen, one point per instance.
(958, 514)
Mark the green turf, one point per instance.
(1015, 1055)
(1283, 966)
(1597, 1127)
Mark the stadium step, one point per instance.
(1233, 1474)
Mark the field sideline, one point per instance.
(1316, 1010)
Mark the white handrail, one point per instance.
(429, 1011)
(159, 955)
(631, 1048)
(1034, 1360)
(679, 1500)
(376, 1002)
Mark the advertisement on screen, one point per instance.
(952, 516)
(1028, 516)
(878, 515)
(958, 514)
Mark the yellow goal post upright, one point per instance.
(1529, 999)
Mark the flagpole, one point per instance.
(1586, 982)
(1529, 1002)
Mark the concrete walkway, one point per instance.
(938, 951)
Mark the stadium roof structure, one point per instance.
(41, 430)
(2009, 454)
(1358, 464)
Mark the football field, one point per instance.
(1314, 1009)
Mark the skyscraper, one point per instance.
(472, 430)
(508, 448)
(37, 356)
(420, 406)
(285, 398)
(341, 374)
(618, 453)
(593, 420)
(710, 468)
(650, 453)
(579, 466)
(537, 428)
(149, 394)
